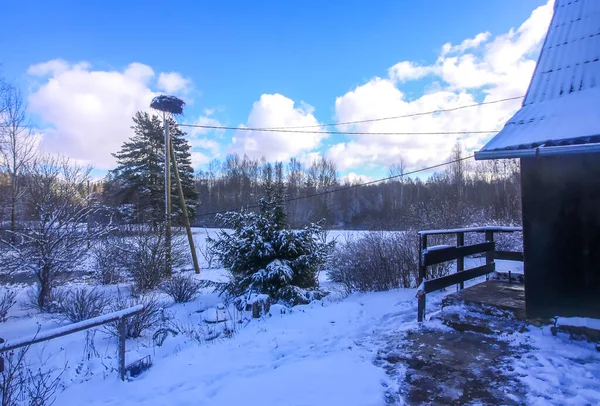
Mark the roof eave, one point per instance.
(541, 151)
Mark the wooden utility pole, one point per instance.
(89, 216)
(186, 218)
(167, 196)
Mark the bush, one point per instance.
(376, 261)
(182, 288)
(136, 324)
(108, 262)
(145, 258)
(7, 300)
(80, 304)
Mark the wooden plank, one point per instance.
(452, 253)
(453, 279)
(472, 230)
(509, 255)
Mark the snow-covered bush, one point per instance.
(263, 256)
(80, 304)
(182, 288)
(7, 300)
(376, 261)
(135, 325)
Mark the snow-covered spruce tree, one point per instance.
(263, 256)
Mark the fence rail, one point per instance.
(438, 254)
(120, 316)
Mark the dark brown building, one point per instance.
(556, 135)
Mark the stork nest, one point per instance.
(169, 104)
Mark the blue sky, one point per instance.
(225, 56)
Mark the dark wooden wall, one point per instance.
(561, 235)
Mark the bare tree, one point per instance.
(17, 144)
(54, 242)
(398, 169)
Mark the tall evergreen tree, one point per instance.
(138, 179)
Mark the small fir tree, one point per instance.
(263, 256)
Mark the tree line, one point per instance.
(465, 193)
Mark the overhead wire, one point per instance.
(215, 127)
(290, 128)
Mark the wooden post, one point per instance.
(89, 216)
(460, 261)
(186, 218)
(121, 347)
(489, 256)
(422, 276)
(167, 195)
(1, 359)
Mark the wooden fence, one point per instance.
(119, 316)
(429, 256)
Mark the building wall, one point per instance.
(561, 235)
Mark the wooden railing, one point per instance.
(429, 256)
(119, 316)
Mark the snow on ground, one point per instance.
(318, 354)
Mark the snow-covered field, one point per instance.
(317, 354)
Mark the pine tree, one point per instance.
(138, 179)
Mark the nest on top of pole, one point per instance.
(168, 104)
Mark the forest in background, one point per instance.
(464, 193)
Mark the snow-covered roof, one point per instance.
(561, 110)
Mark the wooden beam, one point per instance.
(438, 256)
(453, 279)
(509, 255)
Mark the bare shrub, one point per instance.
(145, 257)
(209, 255)
(135, 325)
(80, 304)
(7, 300)
(108, 262)
(376, 261)
(11, 379)
(22, 384)
(182, 288)
(41, 386)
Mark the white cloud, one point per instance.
(88, 112)
(275, 110)
(198, 159)
(54, 66)
(406, 70)
(466, 44)
(497, 67)
(354, 178)
(173, 83)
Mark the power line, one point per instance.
(283, 129)
(325, 192)
(425, 113)
(216, 127)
